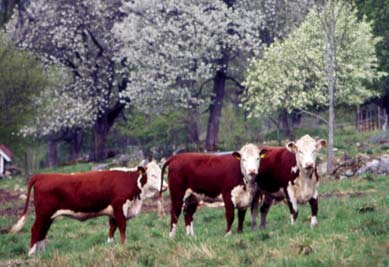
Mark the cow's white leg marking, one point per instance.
(189, 229)
(228, 233)
(110, 240)
(292, 219)
(32, 250)
(192, 229)
(173, 231)
(314, 221)
(292, 197)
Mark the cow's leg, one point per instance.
(313, 202)
(241, 215)
(292, 202)
(264, 209)
(120, 220)
(112, 229)
(254, 209)
(293, 212)
(176, 202)
(41, 246)
(190, 206)
(38, 232)
(229, 206)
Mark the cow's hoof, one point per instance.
(314, 222)
(228, 233)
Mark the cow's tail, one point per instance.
(22, 220)
(165, 165)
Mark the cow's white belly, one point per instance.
(108, 211)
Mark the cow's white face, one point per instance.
(249, 156)
(153, 184)
(306, 149)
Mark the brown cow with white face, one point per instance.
(288, 173)
(83, 196)
(192, 174)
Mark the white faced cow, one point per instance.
(193, 174)
(288, 173)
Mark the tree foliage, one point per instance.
(21, 78)
(376, 11)
(291, 73)
(76, 35)
(174, 47)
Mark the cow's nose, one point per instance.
(309, 165)
(253, 171)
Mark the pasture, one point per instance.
(353, 231)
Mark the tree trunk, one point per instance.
(75, 145)
(99, 136)
(100, 132)
(191, 120)
(52, 155)
(215, 109)
(287, 125)
(330, 61)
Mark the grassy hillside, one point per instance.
(353, 231)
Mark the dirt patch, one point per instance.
(13, 203)
(342, 194)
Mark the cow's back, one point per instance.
(84, 192)
(276, 169)
(203, 173)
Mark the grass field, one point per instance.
(353, 231)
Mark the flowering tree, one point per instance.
(295, 73)
(175, 49)
(77, 36)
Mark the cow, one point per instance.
(150, 189)
(83, 196)
(231, 175)
(288, 173)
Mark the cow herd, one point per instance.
(249, 178)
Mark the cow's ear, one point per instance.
(321, 143)
(262, 153)
(141, 170)
(291, 146)
(236, 155)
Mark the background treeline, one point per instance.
(92, 85)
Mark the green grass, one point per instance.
(352, 231)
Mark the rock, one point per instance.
(349, 173)
(378, 166)
(122, 160)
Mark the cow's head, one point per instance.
(306, 149)
(249, 156)
(153, 184)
